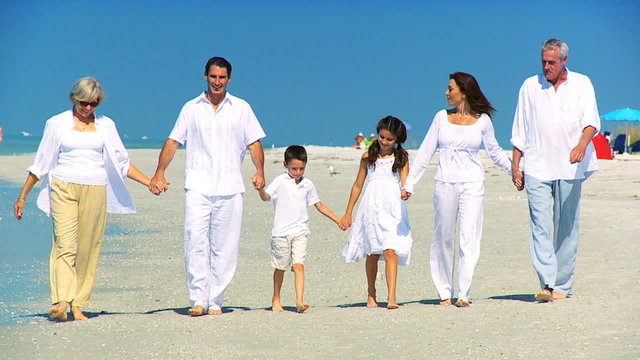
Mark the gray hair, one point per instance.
(556, 44)
(87, 89)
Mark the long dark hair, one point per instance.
(475, 98)
(397, 128)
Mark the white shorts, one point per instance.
(288, 250)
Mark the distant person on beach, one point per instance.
(458, 193)
(291, 194)
(360, 143)
(83, 165)
(556, 117)
(217, 128)
(381, 225)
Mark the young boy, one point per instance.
(291, 193)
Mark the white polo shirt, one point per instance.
(216, 142)
(548, 124)
(290, 202)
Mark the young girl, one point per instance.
(382, 225)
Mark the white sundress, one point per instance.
(381, 220)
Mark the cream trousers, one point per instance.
(79, 215)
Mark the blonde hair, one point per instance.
(87, 89)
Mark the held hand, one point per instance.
(258, 181)
(17, 208)
(577, 154)
(345, 222)
(158, 184)
(404, 195)
(518, 179)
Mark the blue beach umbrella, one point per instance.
(622, 117)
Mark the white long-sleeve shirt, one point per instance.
(116, 161)
(548, 124)
(459, 147)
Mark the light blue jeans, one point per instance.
(554, 258)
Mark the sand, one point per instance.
(139, 303)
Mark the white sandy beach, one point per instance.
(139, 302)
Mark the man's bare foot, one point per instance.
(77, 313)
(392, 306)
(545, 295)
(197, 310)
(446, 301)
(214, 312)
(371, 302)
(558, 296)
(302, 308)
(58, 312)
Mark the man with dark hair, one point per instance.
(217, 128)
(555, 120)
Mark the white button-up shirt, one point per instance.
(116, 161)
(216, 141)
(459, 146)
(290, 202)
(548, 124)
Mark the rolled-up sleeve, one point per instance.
(590, 115)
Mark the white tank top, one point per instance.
(81, 160)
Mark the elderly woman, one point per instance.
(82, 164)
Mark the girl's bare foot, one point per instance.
(214, 312)
(77, 313)
(197, 310)
(58, 311)
(302, 308)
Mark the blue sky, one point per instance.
(315, 72)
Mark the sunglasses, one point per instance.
(87, 103)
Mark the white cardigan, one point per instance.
(116, 161)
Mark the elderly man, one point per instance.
(555, 120)
(217, 128)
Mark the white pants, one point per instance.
(212, 227)
(452, 201)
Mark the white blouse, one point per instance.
(459, 147)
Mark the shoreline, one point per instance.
(139, 301)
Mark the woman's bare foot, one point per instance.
(197, 310)
(59, 311)
(77, 313)
(392, 306)
(462, 303)
(214, 312)
(446, 302)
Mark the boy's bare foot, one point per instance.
(446, 301)
(77, 313)
(214, 312)
(558, 296)
(58, 312)
(197, 310)
(302, 308)
(371, 302)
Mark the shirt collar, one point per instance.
(290, 178)
(227, 98)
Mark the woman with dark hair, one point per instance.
(381, 225)
(458, 134)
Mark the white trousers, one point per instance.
(453, 201)
(212, 226)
